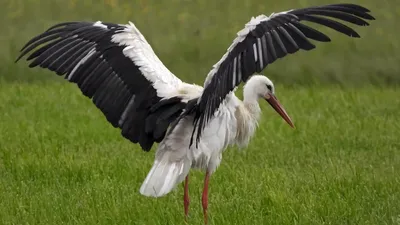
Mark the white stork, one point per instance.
(115, 66)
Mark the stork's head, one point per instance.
(259, 86)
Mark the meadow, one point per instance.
(62, 163)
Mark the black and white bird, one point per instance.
(115, 66)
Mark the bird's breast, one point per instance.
(218, 134)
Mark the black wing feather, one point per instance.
(290, 42)
(338, 15)
(310, 32)
(330, 23)
(361, 14)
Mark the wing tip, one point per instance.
(18, 58)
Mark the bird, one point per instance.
(192, 125)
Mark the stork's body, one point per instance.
(115, 66)
(234, 123)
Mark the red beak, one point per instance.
(273, 101)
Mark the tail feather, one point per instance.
(164, 176)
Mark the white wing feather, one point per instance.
(142, 54)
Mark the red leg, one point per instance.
(205, 197)
(186, 197)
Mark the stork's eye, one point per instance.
(269, 87)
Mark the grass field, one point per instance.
(62, 163)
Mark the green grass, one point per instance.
(62, 163)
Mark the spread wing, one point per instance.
(115, 67)
(266, 39)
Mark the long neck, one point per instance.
(250, 101)
(247, 116)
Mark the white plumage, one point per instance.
(115, 66)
